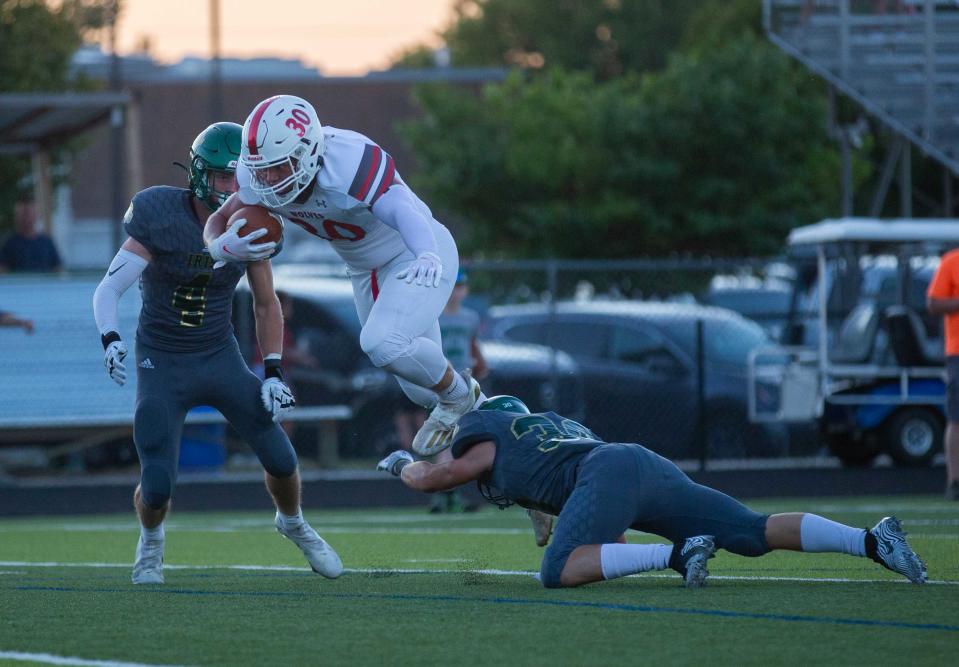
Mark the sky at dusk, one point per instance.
(340, 38)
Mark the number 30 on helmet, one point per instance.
(282, 147)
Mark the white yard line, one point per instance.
(49, 659)
(491, 572)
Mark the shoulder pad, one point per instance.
(356, 166)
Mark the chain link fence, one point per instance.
(630, 348)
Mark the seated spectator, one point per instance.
(27, 248)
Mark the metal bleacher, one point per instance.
(53, 387)
(898, 59)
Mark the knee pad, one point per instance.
(750, 542)
(156, 486)
(384, 350)
(554, 560)
(275, 452)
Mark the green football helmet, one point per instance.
(215, 149)
(504, 403)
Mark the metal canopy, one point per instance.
(30, 121)
(876, 231)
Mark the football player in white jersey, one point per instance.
(340, 186)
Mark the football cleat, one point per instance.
(542, 526)
(894, 553)
(693, 556)
(319, 554)
(436, 434)
(148, 568)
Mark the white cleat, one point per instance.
(148, 568)
(894, 553)
(319, 554)
(694, 555)
(436, 434)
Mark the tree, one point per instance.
(719, 155)
(606, 37)
(37, 42)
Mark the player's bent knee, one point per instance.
(749, 542)
(551, 569)
(281, 467)
(385, 349)
(156, 486)
(151, 428)
(276, 454)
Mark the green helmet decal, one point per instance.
(215, 149)
(504, 403)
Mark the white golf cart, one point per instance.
(860, 354)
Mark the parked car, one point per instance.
(639, 369)
(324, 321)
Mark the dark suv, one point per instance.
(324, 321)
(638, 362)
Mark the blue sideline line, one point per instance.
(609, 606)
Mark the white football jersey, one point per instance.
(354, 174)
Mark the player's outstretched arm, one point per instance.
(432, 477)
(125, 269)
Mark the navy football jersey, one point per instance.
(186, 304)
(536, 455)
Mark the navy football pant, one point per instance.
(169, 384)
(620, 486)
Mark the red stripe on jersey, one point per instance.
(374, 285)
(374, 168)
(388, 173)
(255, 123)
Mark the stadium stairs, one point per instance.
(898, 59)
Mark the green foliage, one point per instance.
(37, 41)
(607, 37)
(719, 154)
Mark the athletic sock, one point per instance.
(456, 391)
(291, 520)
(619, 560)
(818, 534)
(152, 534)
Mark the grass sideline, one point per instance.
(457, 589)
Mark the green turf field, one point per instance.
(457, 589)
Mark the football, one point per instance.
(258, 217)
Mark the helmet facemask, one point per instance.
(202, 180)
(290, 186)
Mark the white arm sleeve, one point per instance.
(125, 269)
(397, 208)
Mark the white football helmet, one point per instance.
(282, 147)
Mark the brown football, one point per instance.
(258, 217)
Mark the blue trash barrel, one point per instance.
(202, 445)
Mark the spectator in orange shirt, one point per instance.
(943, 299)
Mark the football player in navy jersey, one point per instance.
(342, 187)
(548, 463)
(186, 351)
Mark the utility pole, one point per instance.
(216, 75)
(117, 203)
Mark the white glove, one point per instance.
(427, 269)
(113, 358)
(395, 462)
(231, 247)
(277, 397)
